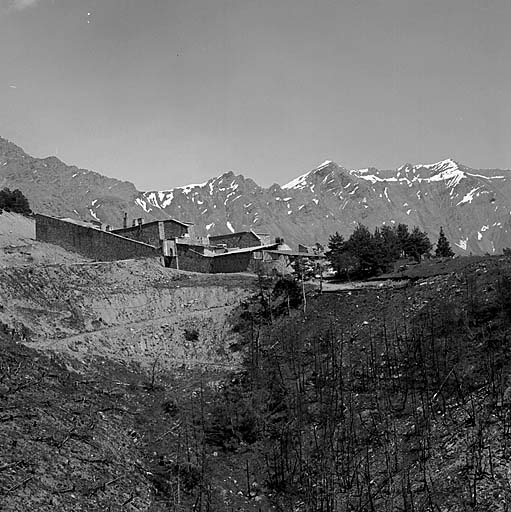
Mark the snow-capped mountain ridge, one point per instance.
(330, 194)
(472, 205)
(443, 170)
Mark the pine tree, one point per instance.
(443, 247)
(403, 235)
(391, 244)
(336, 248)
(14, 201)
(362, 245)
(418, 244)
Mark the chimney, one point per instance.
(134, 223)
(125, 221)
(140, 220)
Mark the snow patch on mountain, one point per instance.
(167, 199)
(186, 189)
(462, 244)
(301, 181)
(454, 176)
(142, 205)
(151, 197)
(468, 197)
(297, 183)
(364, 175)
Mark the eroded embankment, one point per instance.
(133, 310)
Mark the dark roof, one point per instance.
(230, 235)
(256, 248)
(182, 222)
(185, 224)
(296, 254)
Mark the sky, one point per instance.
(165, 93)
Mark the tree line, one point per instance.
(367, 253)
(14, 201)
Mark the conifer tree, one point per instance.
(443, 247)
(403, 235)
(336, 248)
(418, 244)
(14, 201)
(361, 244)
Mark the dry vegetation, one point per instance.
(369, 400)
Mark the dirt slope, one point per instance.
(133, 310)
(18, 245)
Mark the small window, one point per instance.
(258, 255)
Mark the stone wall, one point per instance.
(191, 257)
(153, 232)
(90, 242)
(146, 233)
(233, 262)
(175, 230)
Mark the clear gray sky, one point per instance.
(169, 92)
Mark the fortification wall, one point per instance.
(153, 232)
(90, 242)
(146, 233)
(191, 257)
(175, 230)
(235, 262)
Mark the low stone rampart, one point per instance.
(90, 242)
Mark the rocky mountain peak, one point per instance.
(472, 205)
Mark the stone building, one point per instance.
(155, 232)
(174, 242)
(238, 240)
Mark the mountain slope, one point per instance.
(55, 188)
(472, 205)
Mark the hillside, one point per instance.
(18, 245)
(128, 386)
(97, 362)
(55, 188)
(472, 205)
(388, 399)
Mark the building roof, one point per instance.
(296, 254)
(256, 248)
(236, 233)
(82, 223)
(185, 224)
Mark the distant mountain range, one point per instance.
(473, 205)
